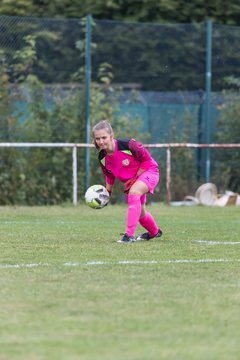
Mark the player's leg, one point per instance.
(146, 219)
(148, 222)
(138, 189)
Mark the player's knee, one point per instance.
(139, 188)
(134, 192)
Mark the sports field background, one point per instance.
(69, 291)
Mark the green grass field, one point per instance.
(69, 291)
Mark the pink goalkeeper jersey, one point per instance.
(128, 157)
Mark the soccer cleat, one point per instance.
(126, 239)
(146, 236)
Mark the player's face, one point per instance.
(104, 140)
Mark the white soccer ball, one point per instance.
(97, 196)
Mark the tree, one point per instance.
(10, 170)
(154, 11)
(226, 167)
(44, 176)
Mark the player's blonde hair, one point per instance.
(102, 125)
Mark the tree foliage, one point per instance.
(44, 176)
(164, 58)
(164, 11)
(228, 131)
(9, 131)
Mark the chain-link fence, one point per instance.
(171, 82)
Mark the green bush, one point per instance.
(42, 176)
(226, 161)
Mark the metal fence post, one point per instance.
(88, 96)
(168, 175)
(208, 98)
(74, 167)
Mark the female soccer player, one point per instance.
(131, 163)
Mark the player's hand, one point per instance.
(110, 194)
(128, 184)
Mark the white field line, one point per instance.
(217, 242)
(120, 262)
(18, 266)
(64, 222)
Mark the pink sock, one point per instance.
(149, 224)
(134, 211)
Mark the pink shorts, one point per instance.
(151, 179)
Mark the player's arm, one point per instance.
(109, 188)
(109, 178)
(141, 154)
